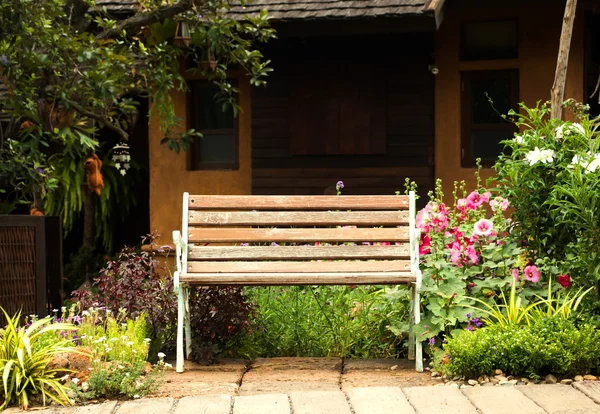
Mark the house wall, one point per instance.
(539, 33)
(169, 175)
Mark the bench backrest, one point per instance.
(377, 232)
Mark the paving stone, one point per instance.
(206, 404)
(262, 404)
(285, 375)
(370, 400)
(502, 400)
(436, 400)
(319, 402)
(105, 408)
(591, 389)
(561, 399)
(146, 406)
(384, 373)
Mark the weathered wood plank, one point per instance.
(299, 267)
(401, 251)
(296, 279)
(223, 202)
(244, 235)
(298, 218)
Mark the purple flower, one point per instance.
(477, 322)
(340, 184)
(4, 59)
(469, 328)
(468, 315)
(432, 341)
(274, 244)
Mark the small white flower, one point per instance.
(75, 380)
(66, 377)
(113, 339)
(85, 313)
(161, 355)
(120, 366)
(518, 139)
(578, 128)
(83, 336)
(123, 172)
(168, 365)
(559, 132)
(130, 343)
(123, 337)
(108, 349)
(118, 165)
(147, 339)
(537, 155)
(63, 309)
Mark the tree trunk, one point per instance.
(88, 218)
(560, 77)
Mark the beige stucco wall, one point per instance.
(539, 33)
(170, 178)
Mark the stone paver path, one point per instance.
(332, 386)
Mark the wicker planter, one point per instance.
(30, 264)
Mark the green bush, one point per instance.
(549, 345)
(346, 321)
(25, 352)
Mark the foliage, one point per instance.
(113, 204)
(72, 73)
(346, 321)
(24, 359)
(467, 252)
(136, 282)
(549, 345)
(550, 174)
(515, 312)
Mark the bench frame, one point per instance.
(182, 287)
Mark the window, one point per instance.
(217, 149)
(486, 95)
(490, 40)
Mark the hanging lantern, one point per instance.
(182, 34)
(121, 157)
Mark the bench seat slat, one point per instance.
(298, 252)
(298, 218)
(284, 279)
(231, 202)
(299, 267)
(244, 235)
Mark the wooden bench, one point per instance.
(296, 221)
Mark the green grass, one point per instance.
(342, 321)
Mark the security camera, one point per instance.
(434, 69)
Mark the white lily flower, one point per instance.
(537, 155)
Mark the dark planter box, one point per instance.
(31, 271)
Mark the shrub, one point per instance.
(138, 283)
(346, 321)
(549, 345)
(24, 360)
(551, 175)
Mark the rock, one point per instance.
(434, 374)
(508, 383)
(395, 367)
(566, 381)
(498, 372)
(493, 381)
(71, 363)
(520, 383)
(590, 377)
(530, 384)
(466, 386)
(472, 382)
(510, 377)
(501, 378)
(525, 380)
(453, 384)
(550, 379)
(487, 384)
(578, 378)
(85, 386)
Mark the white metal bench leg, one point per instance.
(188, 327)
(417, 318)
(180, 323)
(411, 324)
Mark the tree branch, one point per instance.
(99, 118)
(133, 23)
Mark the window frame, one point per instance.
(463, 56)
(467, 125)
(194, 161)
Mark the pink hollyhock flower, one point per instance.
(499, 203)
(472, 254)
(515, 274)
(461, 204)
(425, 245)
(564, 280)
(532, 273)
(423, 219)
(474, 200)
(485, 197)
(483, 227)
(455, 252)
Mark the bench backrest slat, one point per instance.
(263, 235)
(298, 218)
(228, 202)
(401, 251)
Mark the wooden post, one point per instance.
(560, 77)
